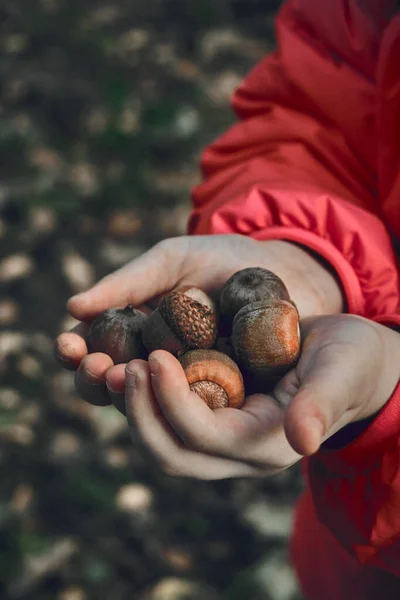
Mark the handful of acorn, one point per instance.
(243, 347)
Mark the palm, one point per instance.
(204, 261)
(327, 362)
(270, 432)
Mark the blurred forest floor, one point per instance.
(104, 109)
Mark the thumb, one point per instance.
(153, 273)
(320, 407)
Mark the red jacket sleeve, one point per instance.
(300, 164)
(356, 490)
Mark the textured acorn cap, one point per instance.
(191, 315)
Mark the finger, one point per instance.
(321, 404)
(115, 382)
(90, 379)
(147, 421)
(70, 347)
(153, 273)
(192, 420)
(254, 434)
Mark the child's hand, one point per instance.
(204, 261)
(348, 370)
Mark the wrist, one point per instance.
(389, 350)
(312, 284)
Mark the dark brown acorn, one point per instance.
(253, 284)
(185, 319)
(117, 332)
(215, 377)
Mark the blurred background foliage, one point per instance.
(104, 110)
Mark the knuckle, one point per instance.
(165, 245)
(170, 247)
(171, 469)
(202, 441)
(193, 442)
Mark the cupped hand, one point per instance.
(348, 369)
(204, 261)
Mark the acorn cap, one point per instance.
(215, 377)
(190, 314)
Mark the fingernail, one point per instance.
(316, 433)
(111, 390)
(155, 366)
(79, 296)
(130, 379)
(61, 358)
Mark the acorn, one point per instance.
(246, 286)
(185, 319)
(266, 338)
(214, 377)
(117, 332)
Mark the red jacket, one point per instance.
(315, 159)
